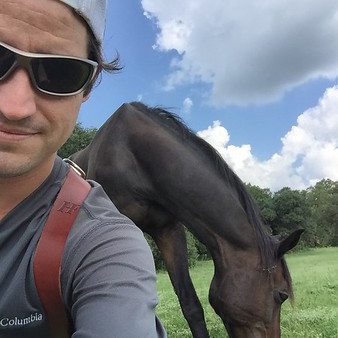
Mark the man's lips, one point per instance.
(15, 134)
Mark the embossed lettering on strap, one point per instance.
(49, 251)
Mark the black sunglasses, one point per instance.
(51, 74)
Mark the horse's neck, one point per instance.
(221, 240)
(227, 256)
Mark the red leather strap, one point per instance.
(49, 251)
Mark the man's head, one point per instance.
(33, 124)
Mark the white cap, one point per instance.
(94, 12)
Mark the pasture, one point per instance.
(314, 314)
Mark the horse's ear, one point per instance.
(289, 242)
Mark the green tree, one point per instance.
(264, 201)
(292, 212)
(323, 201)
(202, 251)
(80, 138)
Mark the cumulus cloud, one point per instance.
(187, 105)
(216, 135)
(249, 52)
(309, 150)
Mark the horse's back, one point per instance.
(115, 161)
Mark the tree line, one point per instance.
(314, 209)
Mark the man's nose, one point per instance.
(17, 96)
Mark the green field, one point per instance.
(314, 314)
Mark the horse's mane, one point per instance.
(174, 123)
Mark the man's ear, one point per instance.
(85, 97)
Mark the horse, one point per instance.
(162, 176)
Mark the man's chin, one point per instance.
(16, 165)
(12, 171)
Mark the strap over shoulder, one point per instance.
(49, 251)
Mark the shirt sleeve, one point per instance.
(110, 283)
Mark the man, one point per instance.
(107, 271)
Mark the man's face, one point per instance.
(34, 125)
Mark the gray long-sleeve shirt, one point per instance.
(108, 278)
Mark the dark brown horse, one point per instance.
(161, 175)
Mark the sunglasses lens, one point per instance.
(7, 58)
(61, 76)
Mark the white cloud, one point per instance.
(216, 135)
(309, 150)
(139, 98)
(250, 52)
(187, 105)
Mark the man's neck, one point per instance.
(14, 190)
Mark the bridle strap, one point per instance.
(49, 252)
(269, 269)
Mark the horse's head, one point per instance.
(248, 296)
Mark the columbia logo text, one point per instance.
(16, 321)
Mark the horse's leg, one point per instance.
(171, 241)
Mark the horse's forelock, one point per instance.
(287, 277)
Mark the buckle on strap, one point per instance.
(76, 168)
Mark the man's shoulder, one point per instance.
(99, 211)
(97, 204)
(99, 220)
(101, 233)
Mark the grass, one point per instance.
(314, 314)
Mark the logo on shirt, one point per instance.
(16, 321)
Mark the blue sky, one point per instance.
(255, 74)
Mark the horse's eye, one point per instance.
(281, 296)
